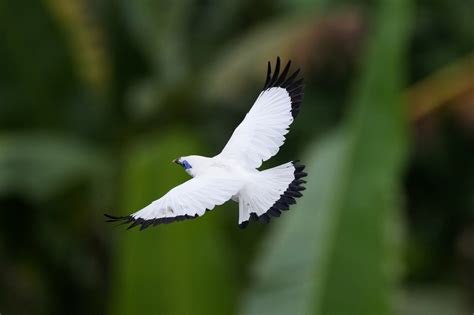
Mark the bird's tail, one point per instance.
(270, 192)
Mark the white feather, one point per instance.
(262, 132)
(192, 198)
(266, 187)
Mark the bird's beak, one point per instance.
(176, 161)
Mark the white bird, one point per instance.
(233, 173)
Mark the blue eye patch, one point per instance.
(186, 165)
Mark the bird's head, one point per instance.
(183, 162)
(192, 163)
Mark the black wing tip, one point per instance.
(112, 218)
(147, 223)
(294, 86)
(244, 224)
(287, 199)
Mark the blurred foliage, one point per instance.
(348, 263)
(183, 258)
(29, 161)
(94, 97)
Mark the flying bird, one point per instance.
(233, 173)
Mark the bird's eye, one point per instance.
(186, 165)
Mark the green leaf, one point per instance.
(163, 270)
(42, 165)
(335, 253)
(297, 250)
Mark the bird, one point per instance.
(234, 173)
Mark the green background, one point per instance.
(97, 97)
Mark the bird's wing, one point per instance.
(262, 132)
(186, 201)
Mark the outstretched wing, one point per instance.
(186, 201)
(262, 132)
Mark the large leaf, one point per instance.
(297, 249)
(164, 270)
(42, 165)
(336, 255)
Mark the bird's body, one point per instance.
(233, 173)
